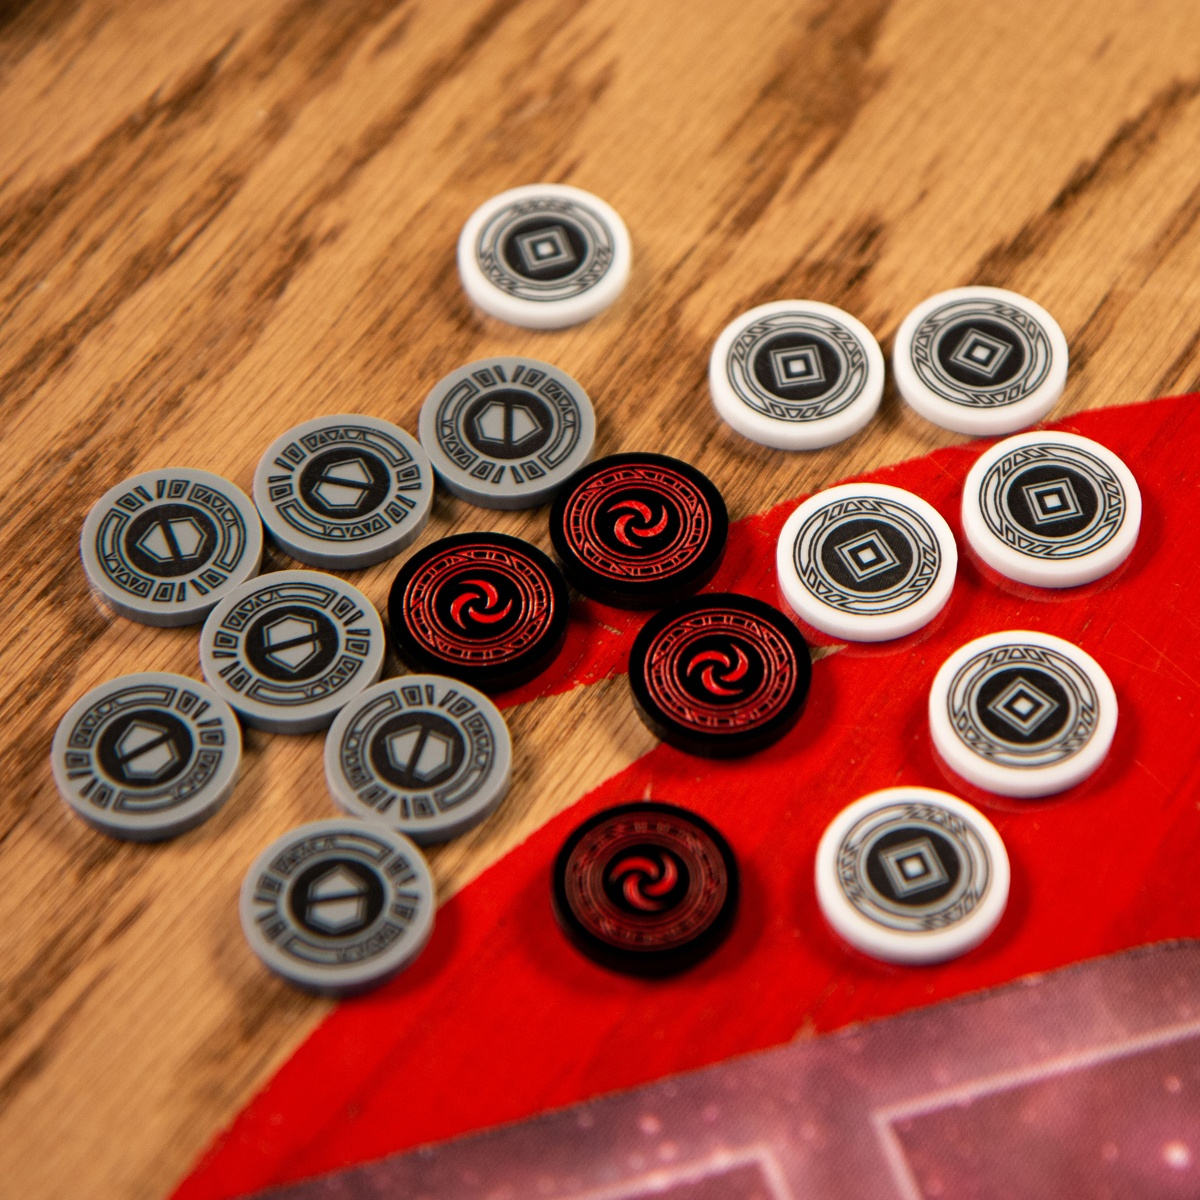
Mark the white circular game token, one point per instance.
(912, 875)
(507, 432)
(427, 755)
(289, 649)
(345, 491)
(796, 374)
(1022, 714)
(980, 360)
(164, 546)
(544, 256)
(339, 906)
(1051, 509)
(147, 756)
(866, 562)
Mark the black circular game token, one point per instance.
(645, 888)
(639, 530)
(485, 608)
(720, 675)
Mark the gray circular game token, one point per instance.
(337, 907)
(165, 546)
(344, 491)
(287, 650)
(146, 756)
(428, 755)
(507, 432)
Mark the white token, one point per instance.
(147, 756)
(345, 491)
(1051, 509)
(289, 649)
(164, 546)
(980, 360)
(796, 374)
(912, 875)
(544, 256)
(507, 432)
(866, 562)
(1022, 714)
(339, 906)
(427, 755)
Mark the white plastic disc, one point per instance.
(796, 374)
(1051, 509)
(866, 562)
(980, 360)
(912, 875)
(344, 491)
(338, 906)
(426, 755)
(544, 256)
(1022, 714)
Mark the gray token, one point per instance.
(164, 547)
(146, 756)
(344, 491)
(337, 907)
(287, 650)
(507, 432)
(428, 755)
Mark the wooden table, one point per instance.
(219, 219)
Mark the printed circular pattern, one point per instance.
(344, 491)
(482, 607)
(339, 906)
(427, 755)
(796, 374)
(980, 360)
(544, 256)
(507, 432)
(1051, 509)
(146, 756)
(165, 546)
(866, 562)
(1022, 714)
(912, 875)
(720, 675)
(639, 530)
(289, 649)
(645, 888)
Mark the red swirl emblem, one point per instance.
(645, 880)
(735, 670)
(467, 602)
(646, 528)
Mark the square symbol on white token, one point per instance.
(981, 353)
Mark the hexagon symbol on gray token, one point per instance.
(145, 748)
(167, 540)
(344, 483)
(509, 423)
(417, 750)
(292, 642)
(337, 897)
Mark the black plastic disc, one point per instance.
(485, 608)
(646, 888)
(720, 675)
(639, 530)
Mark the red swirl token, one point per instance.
(645, 888)
(639, 530)
(485, 608)
(720, 675)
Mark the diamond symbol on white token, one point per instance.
(1053, 500)
(1022, 705)
(344, 485)
(337, 901)
(546, 248)
(146, 751)
(867, 556)
(291, 642)
(798, 364)
(913, 866)
(980, 353)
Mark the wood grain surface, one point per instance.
(219, 219)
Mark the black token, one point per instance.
(720, 675)
(485, 608)
(639, 530)
(645, 888)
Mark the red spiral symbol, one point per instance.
(712, 679)
(621, 527)
(646, 880)
(465, 602)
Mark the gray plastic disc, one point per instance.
(287, 650)
(147, 756)
(338, 906)
(165, 546)
(426, 755)
(344, 491)
(507, 432)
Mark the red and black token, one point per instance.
(639, 530)
(646, 888)
(720, 675)
(485, 608)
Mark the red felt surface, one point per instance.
(501, 1018)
